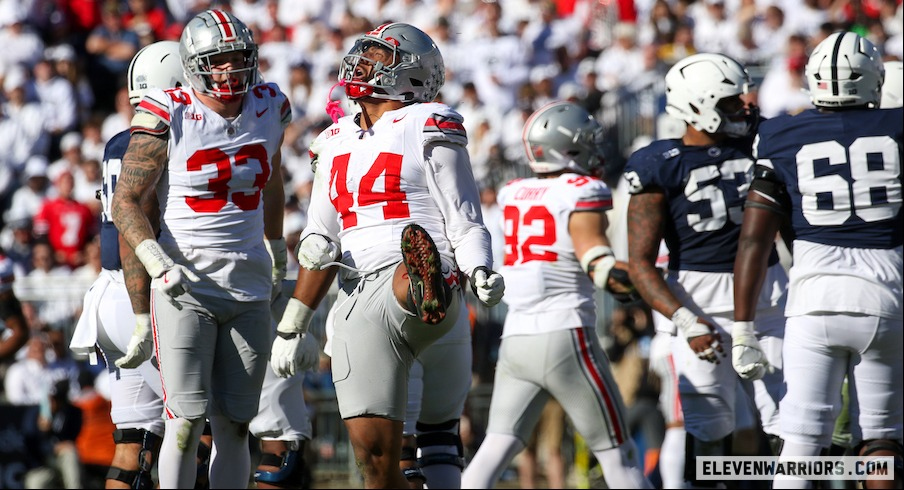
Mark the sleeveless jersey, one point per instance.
(211, 193)
(842, 171)
(370, 184)
(109, 235)
(543, 277)
(705, 187)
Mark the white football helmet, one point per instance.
(156, 65)
(415, 74)
(696, 84)
(893, 87)
(563, 135)
(210, 33)
(845, 70)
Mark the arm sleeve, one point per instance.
(322, 216)
(451, 182)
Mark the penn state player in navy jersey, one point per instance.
(836, 170)
(107, 318)
(689, 191)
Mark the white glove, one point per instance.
(277, 250)
(172, 278)
(293, 351)
(746, 354)
(314, 251)
(141, 345)
(488, 286)
(690, 326)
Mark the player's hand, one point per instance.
(314, 251)
(279, 258)
(619, 285)
(294, 353)
(488, 286)
(747, 356)
(176, 281)
(701, 337)
(141, 345)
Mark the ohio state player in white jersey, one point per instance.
(556, 254)
(393, 190)
(212, 152)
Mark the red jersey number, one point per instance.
(218, 185)
(387, 165)
(516, 252)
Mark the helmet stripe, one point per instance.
(224, 24)
(836, 89)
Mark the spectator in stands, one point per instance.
(620, 63)
(94, 444)
(66, 223)
(21, 44)
(68, 66)
(58, 102)
(111, 46)
(148, 16)
(13, 329)
(60, 421)
(28, 199)
(25, 382)
(70, 155)
(17, 242)
(22, 131)
(119, 120)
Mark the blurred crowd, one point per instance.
(63, 69)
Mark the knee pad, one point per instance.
(872, 446)
(776, 443)
(445, 441)
(292, 472)
(695, 447)
(150, 447)
(412, 469)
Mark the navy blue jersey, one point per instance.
(109, 235)
(705, 188)
(843, 174)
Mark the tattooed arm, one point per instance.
(646, 216)
(142, 166)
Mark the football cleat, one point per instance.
(426, 286)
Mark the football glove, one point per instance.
(277, 250)
(294, 349)
(172, 279)
(747, 356)
(141, 345)
(314, 251)
(628, 293)
(488, 286)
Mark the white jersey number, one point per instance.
(872, 180)
(700, 188)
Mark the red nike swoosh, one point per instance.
(261, 113)
(165, 279)
(399, 119)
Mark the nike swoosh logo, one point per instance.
(261, 113)
(165, 279)
(399, 119)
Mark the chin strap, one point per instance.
(334, 105)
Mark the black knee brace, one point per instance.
(292, 472)
(150, 446)
(444, 434)
(693, 448)
(867, 448)
(412, 473)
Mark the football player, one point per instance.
(690, 191)
(396, 205)
(211, 152)
(556, 256)
(836, 172)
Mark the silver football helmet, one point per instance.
(563, 136)
(893, 87)
(696, 84)
(414, 73)
(214, 32)
(156, 65)
(845, 70)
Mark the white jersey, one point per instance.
(210, 195)
(411, 166)
(546, 287)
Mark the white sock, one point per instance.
(491, 460)
(795, 449)
(671, 458)
(176, 464)
(230, 458)
(621, 468)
